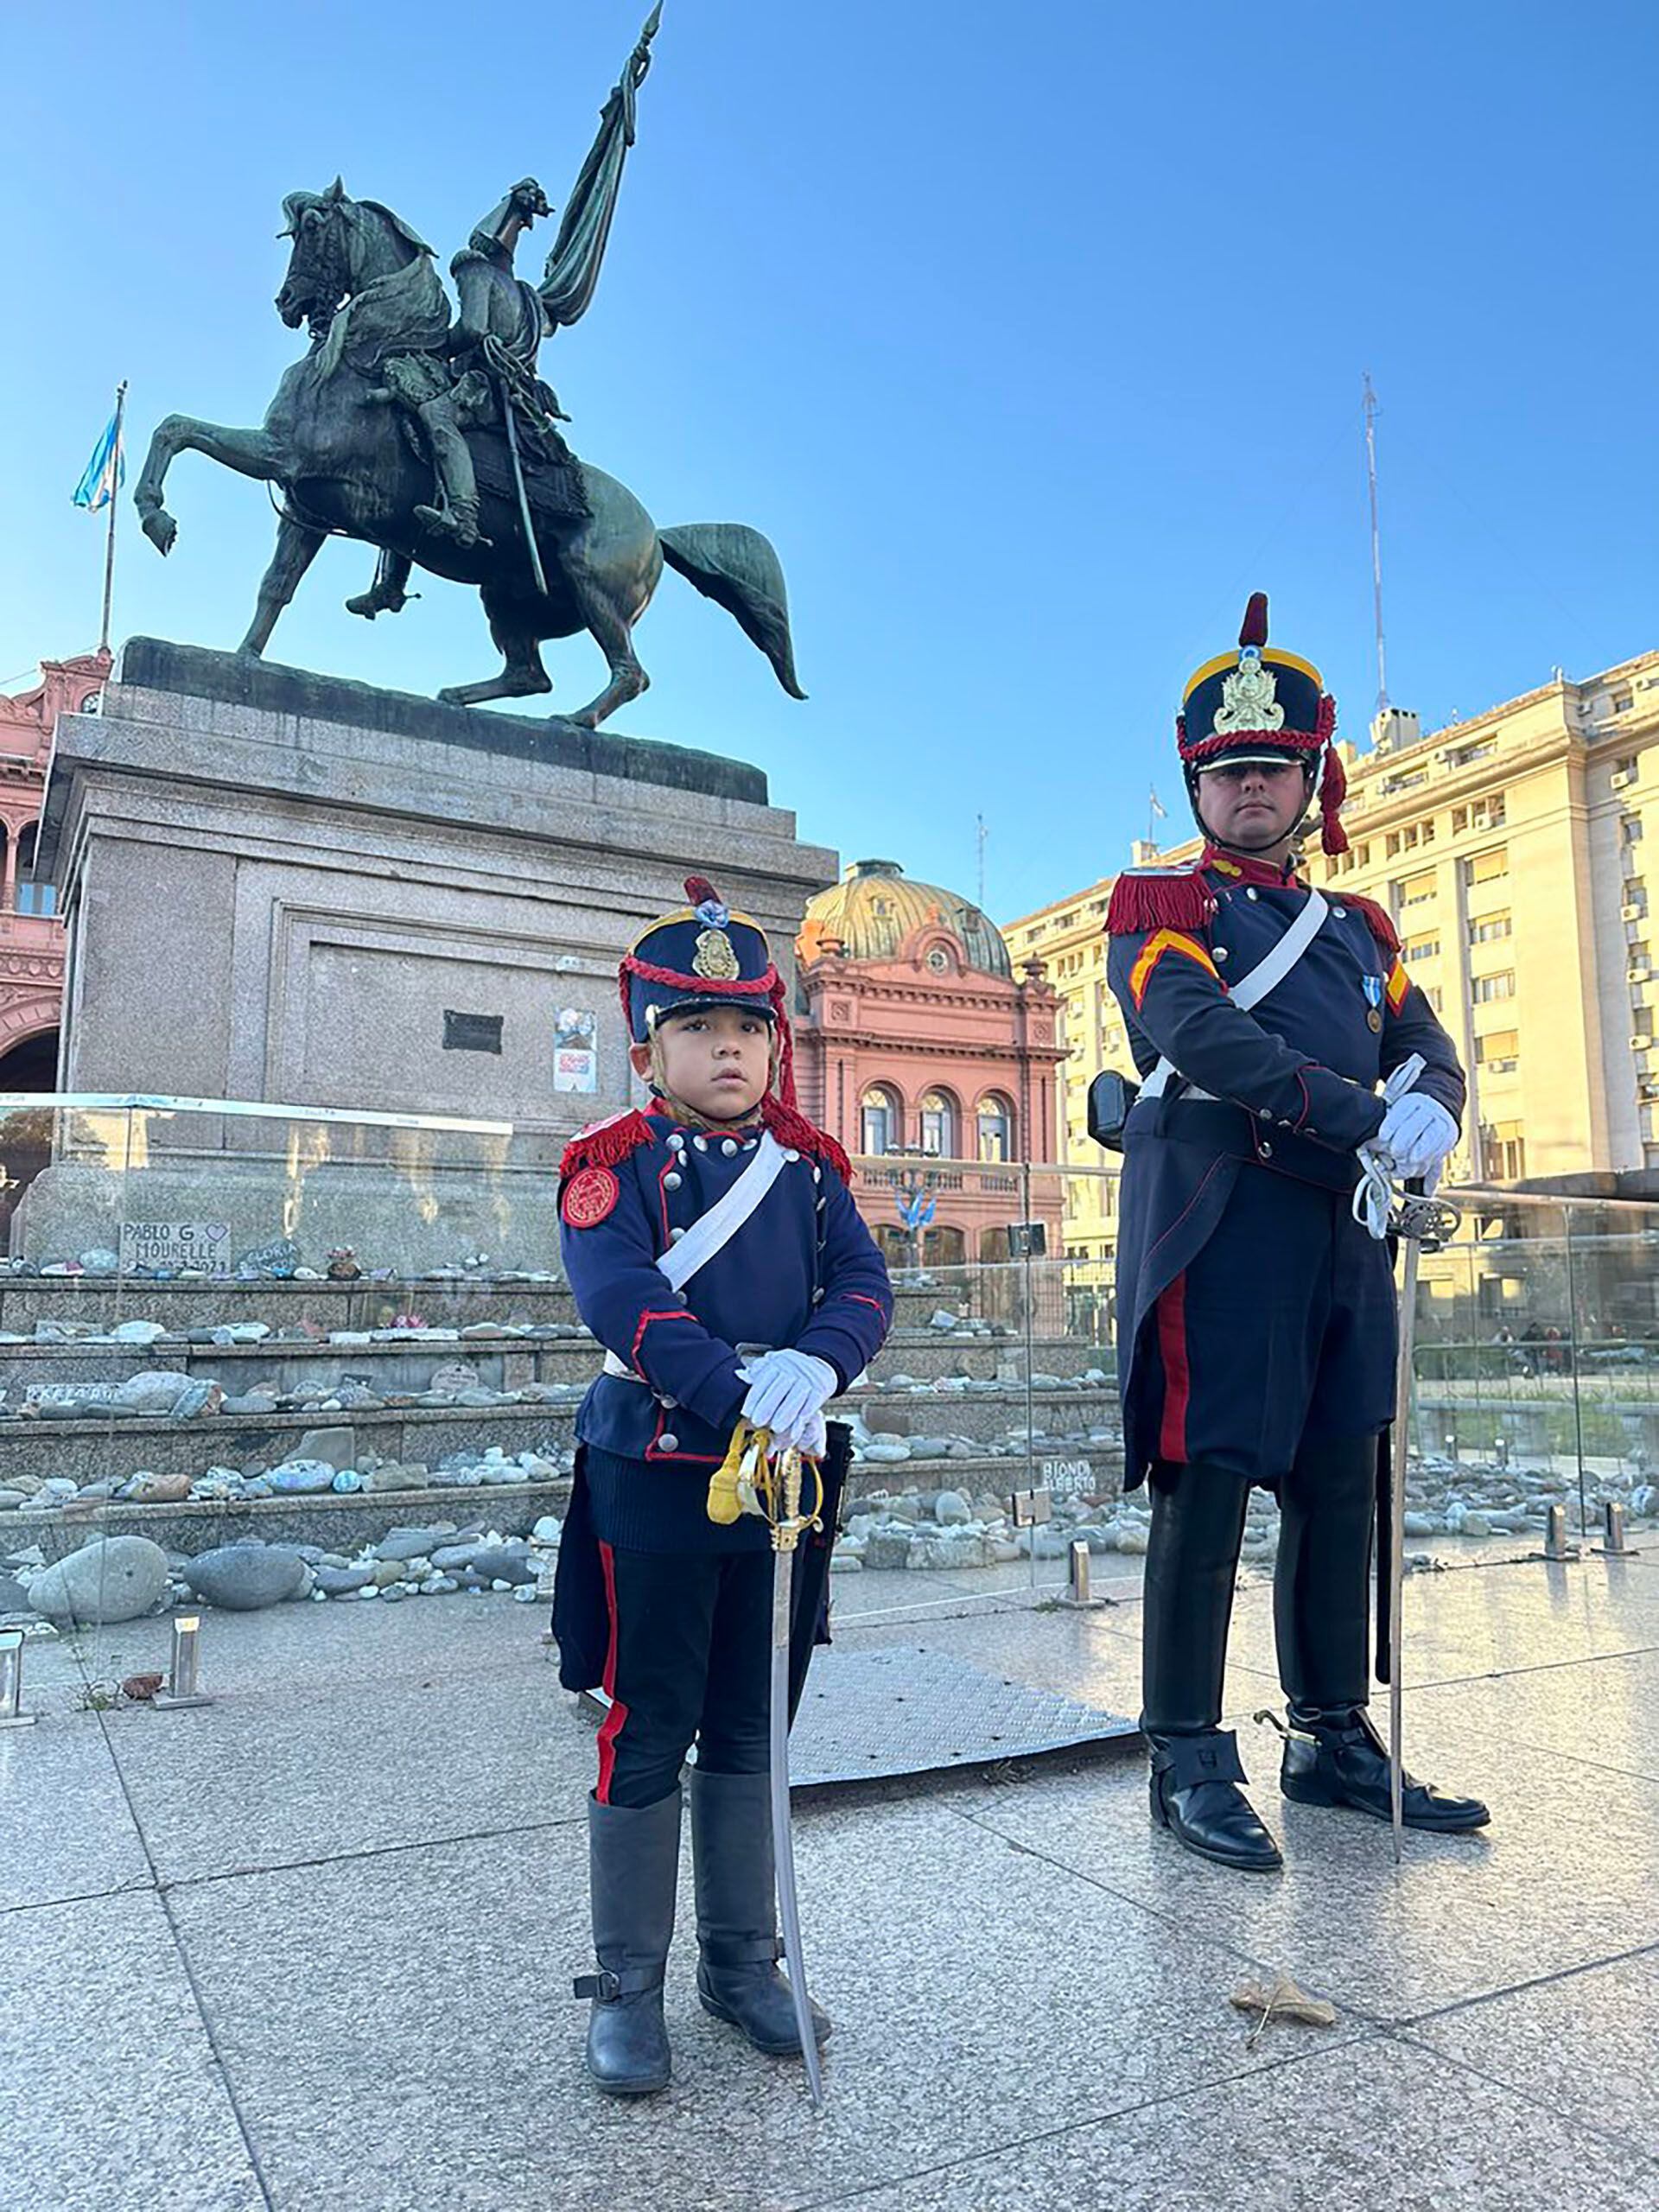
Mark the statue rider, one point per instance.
(494, 347)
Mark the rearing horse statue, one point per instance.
(349, 460)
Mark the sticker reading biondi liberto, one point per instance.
(201, 1244)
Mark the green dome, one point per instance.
(876, 907)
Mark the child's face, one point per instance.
(719, 1061)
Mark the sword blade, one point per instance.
(1401, 1440)
(783, 1842)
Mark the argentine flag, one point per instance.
(105, 471)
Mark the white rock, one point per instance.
(111, 1578)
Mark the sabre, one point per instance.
(746, 1482)
(1421, 1223)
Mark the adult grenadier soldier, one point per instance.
(1256, 1316)
(715, 1253)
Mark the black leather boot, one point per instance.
(1197, 1525)
(1339, 1758)
(738, 1949)
(633, 1858)
(1321, 1596)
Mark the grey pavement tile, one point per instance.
(344, 1640)
(1495, 1619)
(1603, 1712)
(269, 1773)
(110, 2096)
(65, 1830)
(980, 1995)
(1581, 2046)
(1376, 2124)
(1094, 1657)
(1566, 1875)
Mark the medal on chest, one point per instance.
(1372, 986)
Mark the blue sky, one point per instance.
(1032, 336)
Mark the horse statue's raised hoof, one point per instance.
(160, 530)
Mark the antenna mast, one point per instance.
(1376, 547)
(981, 833)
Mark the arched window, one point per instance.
(32, 898)
(939, 1120)
(879, 1116)
(995, 1127)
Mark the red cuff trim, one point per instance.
(672, 1313)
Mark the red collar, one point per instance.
(1234, 867)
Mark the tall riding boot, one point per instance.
(633, 1858)
(1197, 1525)
(737, 1928)
(1334, 1754)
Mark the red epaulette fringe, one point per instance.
(791, 1127)
(608, 1142)
(1378, 919)
(1176, 899)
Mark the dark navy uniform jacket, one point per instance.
(1292, 1082)
(803, 1270)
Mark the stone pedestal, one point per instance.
(285, 887)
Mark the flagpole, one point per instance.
(115, 499)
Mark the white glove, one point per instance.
(1417, 1134)
(788, 1391)
(812, 1438)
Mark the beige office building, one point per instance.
(1510, 850)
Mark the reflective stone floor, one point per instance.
(310, 1946)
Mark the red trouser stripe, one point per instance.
(612, 1723)
(1172, 1344)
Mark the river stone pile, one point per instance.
(116, 1578)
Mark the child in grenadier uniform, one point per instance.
(779, 1299)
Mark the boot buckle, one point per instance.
(1291, 1734)
(604, 1988)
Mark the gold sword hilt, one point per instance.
(749, 1480)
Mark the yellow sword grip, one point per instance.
(745, 1464)
(723, 1505)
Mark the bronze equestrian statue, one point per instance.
(435, 440)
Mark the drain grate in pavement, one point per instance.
(902, 1710)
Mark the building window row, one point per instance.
(1499, 1051)
(1487, 812)
(1485, 929)
(1506, 1151)
(1462, 756)
(1483, 989)
(881, 1123)
(1488, 867)
(1408, 838)
(1421, 948)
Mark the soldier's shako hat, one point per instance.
(700, 956)
(1262, 703)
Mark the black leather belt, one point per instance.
(1236, 1134)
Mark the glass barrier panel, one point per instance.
(298, 1354)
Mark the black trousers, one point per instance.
(689, 1659)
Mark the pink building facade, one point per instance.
(915, 1041)
(31, 936)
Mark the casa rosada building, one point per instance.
(916, 1042)
(31, 936)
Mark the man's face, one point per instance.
(719, 1060)
(1252, 805)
